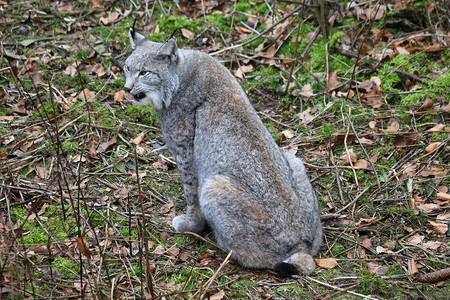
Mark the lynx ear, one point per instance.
(168, 50)
(136, 39)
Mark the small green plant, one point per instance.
(66, 267)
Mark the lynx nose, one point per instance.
(127, 89)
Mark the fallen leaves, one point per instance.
(370, 93)
(326, 263)
(106, 145)
(438, 227)
(83, 247)
(376, 269)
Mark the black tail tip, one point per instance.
(285, 270)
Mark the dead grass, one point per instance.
(88, 189)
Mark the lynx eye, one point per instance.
(143, 73)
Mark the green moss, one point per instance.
(243, 6)
(5, 112)
(223, 23)
(291, 291)
(141, 114)
(69, 146)
(170, 23)
(66, 267)
(326, 129)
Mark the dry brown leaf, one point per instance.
(83, 247)
(432, 147)
(93, 148)
(409, 169)
(110, 18)
(443, 189)
(443, 196)
(372, 124)
(118, 96)
(438, 227)
(361, 164)
(95, 4)
(433, 171)
(307, 90)
(217, 296)
(433, 245)
(333, 81)
(138, 139)
(247, 68)
(365, 222)
(305, 116)
(380, 249)
(446, 108)
(185, 256)
(160, 164)
(367, 243)
(106, 145)
(402, 50)
(412, 267)
(326, 263)
(376, 80)
(393, 127)
(166, 207)
(187, 34)
(444, 216)
(78, 158)
(71, 70)
(173, 251)
(376, 269)
(437, 128)
(428, 103)
(428, 207)
(416, 239)
(86, 94)
(239, 74)
(6, 118)
(159, 250)
(374, 158)
(121, 193)
(366, 85)
(288, 134)
(41, 172)
(366, 141)
(347, 156)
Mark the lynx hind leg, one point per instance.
(298, 263)
(238, 222)
(309, 202)
(297, 166)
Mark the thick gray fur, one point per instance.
(257, 200)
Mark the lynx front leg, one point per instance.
(192, 220)
(179, 134)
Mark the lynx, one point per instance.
(257, 200)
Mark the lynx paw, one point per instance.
(183, 223)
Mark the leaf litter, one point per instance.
(375, 145)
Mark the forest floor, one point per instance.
(358, 89)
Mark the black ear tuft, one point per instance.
(285, 270)
(173, 33)
(132, 29)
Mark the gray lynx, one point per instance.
(257, 200)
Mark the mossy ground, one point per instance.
(68, 167)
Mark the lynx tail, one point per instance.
(297, 263)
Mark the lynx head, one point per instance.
(150, 71)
